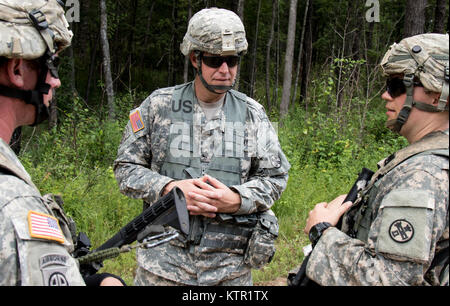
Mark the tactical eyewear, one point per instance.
(395, 87)
(49, 62)
(217, 61)
(52, 62)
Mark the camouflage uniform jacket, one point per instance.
(29, 254)
(141, 155)
(405, 224)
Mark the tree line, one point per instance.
(133, 46)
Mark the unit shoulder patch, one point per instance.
(401, 231)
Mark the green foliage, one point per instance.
(325, 158)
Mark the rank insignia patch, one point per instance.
(401, 231)
(44, 226)
(136, 121)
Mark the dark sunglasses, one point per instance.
(395, 87)
(217, 61)
(52, 63)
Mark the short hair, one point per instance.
(3, 60)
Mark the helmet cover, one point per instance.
(425, 56)
(216, 31)
(19, 37)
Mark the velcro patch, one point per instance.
(136, 121)
(44, 226)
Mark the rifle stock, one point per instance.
(169, 210)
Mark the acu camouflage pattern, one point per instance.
(137, 168)
(428, 65)
(20, 39)
(217, 31)
(25, 260)
(416, 191)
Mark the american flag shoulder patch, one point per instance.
(44, 226)
(136, 121)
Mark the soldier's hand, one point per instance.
(194, 206)
(215, 193)
(327, 212)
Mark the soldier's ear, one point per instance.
(193, 59)
(15, 69)
(436, 96)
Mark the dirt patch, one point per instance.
(280, 281)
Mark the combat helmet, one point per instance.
(423, 58)
(33, 30)
(216, 31)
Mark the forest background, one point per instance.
(313, 65)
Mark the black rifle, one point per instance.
(169, 210)
(300, 279)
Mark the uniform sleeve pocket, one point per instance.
(406, 227)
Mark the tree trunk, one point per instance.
(277, 56)
(92, 66)
(307, 57)
(439, 16)
(287, 77)
(240, 13)
(131, 41)
(144, 50)
(186, 59)
(414, 17)
(254, 56)
(172, 48)
(300, 52)
(106, 59)
(53, 111)
(240, 9)
(269, 45)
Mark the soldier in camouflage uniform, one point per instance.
(35, 235)
(397, 231)
(218, 146)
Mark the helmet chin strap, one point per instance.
(396, 124)
(34, 97)
(211, 88)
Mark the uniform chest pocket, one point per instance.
(406, 225)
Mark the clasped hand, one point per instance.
(327, 212)
(207, 196)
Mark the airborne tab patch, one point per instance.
(44, 226)
(136, 121)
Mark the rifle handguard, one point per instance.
(169, 210)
